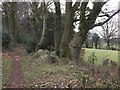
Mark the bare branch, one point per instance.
(104, 14)
(102, 23)
(75, 20)
(109, 30)
(76, 5)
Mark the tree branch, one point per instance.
(76, 5)
(102, 23)
(104, 14)
(75, 20)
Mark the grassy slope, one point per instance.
(43, 74)
(102, 55)
(37, 73)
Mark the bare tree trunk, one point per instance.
(75, 53)
(108, 44)
(64, 47)
(69, 20)
(41, 44)
(76, 46)
(58, 31)
(96, 45)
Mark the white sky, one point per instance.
(111, 5)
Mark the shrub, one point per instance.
(88, 79)
(6, 39)
(30, 44)
(20, 38)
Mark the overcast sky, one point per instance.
(111, 5)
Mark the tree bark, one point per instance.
(69, 20)
(76, 46)
(58, 31)
(108, 45)
(41, 44)
(85, 26)
(96, 45)
(64, 47)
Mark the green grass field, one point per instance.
(102, 55)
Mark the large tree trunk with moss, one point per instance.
(84, 26)
(64, 47)
(69, 20)
(76, 46)
(58, 30)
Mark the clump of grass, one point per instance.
(6, 71)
